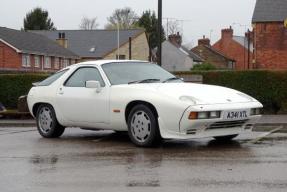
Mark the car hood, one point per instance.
(203, 94)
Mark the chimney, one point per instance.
(227, 33)
(175, 39)
(251, 35)
(204, 41)
(62, 40)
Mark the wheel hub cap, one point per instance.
(45, 120)
(141, 126)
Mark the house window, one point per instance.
(26, 60)
(263, 27)
(47, 63)
(121, 57)
(73, 61)
(66, 62)
(57, 63)
(37, 61)
(231, 64)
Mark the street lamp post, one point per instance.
(159, 31)
(118, 40)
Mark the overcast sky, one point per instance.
(203, 17)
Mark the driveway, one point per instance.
(105, 161)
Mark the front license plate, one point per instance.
(236, 114)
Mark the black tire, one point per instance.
(225, 138)
(47, 123)
(145, 132)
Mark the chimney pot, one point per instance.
(175, 39)
(227, 33)
(205, 41)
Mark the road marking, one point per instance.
(262, 136)
(14, 132)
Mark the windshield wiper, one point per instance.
(144, 81)
(171, 79)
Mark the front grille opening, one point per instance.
(191, 132)
(227, 124)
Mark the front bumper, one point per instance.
(201, 128)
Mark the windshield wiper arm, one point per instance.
(171, 79)
(144, 81)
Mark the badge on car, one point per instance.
(241, 114)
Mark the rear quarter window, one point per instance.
(52, 78)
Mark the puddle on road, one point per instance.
(50, 160)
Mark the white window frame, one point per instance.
(57, 63)
(26, 60)
(121, 57)
(47, 62)
(66, 63)
(37, 61)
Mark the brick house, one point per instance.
(270, 34)
(212, 56)
(25, 51)
(238, 48)
(102, 44)
(176, 57)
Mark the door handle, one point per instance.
(61, 92)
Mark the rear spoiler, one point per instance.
(35, 84)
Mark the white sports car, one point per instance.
(141, 98)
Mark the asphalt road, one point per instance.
(104, 161)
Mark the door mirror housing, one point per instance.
(94, 85)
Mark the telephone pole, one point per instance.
(159, 32)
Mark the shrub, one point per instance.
(269, 87)
(12, 86)
(203, 67)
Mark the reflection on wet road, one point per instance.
(105, 161)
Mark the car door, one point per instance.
(80, 104)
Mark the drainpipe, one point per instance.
(248, 41)
(130, 48)
(159, 30)
(42, 64)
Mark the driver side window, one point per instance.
(79, 78)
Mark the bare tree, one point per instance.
(88, 23)
(126, 18)
(172, 27)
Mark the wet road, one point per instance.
(105, 161)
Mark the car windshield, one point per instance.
(136, 72)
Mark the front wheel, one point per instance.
(143, 126)
(47, 123)
(225, 138)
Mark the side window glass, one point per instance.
(79, 78)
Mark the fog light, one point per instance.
(203, 115)
(214, 114)
(255, 111)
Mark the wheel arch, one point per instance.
(132, 104)
(37, 105)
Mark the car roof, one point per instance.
(101, 62)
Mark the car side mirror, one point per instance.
(94, 85)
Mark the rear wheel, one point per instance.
(225, 138)
(143, 126)
(47, 123)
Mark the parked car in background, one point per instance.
(141, 98)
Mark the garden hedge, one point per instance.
(12, 86)
(269, 87)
